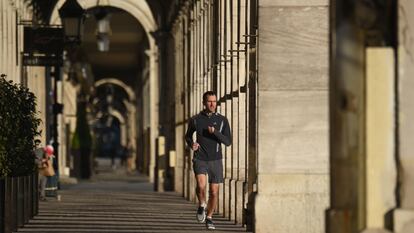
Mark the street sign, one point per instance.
(43, 40)
(42, 60)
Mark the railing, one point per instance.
(18, 201)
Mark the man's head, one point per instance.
(210, 101)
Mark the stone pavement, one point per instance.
(113, 201)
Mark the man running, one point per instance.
(211, 129)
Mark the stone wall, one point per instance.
(293, 116)
(404, 216)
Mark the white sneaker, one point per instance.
(201, 214)
(210, 224)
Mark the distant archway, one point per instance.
(122, 121)
(119, 83)
(142, 12)
(139, 9)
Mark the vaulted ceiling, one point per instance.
(127, 40)
(161, 9)
(127, 43)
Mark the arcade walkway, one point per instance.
(115, 202)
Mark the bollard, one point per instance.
(27, 200)
(7, 224)
(20, 201)
(35, 194)
(2, 207)
(14, 212)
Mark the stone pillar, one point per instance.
(180, 146)
(227, 110)
(187, 97)
(221, 105)
(241, 51)
(234, 103)
(362, 122)
(193, 91)
(293, 116)
(161, 164)
(7, 48)
(69, 99)
(251, 95)
(37, 84)
(63, 170)
(2, 30)
(13, 45)
(380, 165)
(5, 35)
(153, 107)
(404, 215)
(347, 123)
(132, 130)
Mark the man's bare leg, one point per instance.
(212, 199)
(201, 188)
(201, 195)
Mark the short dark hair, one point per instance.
(208, 93)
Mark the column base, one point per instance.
(226, 200)
(376, 231)
(221, 201)
(232, 200)
(192, 189)
(403, 221)
(339, 221)
(291, 203)
(239, 201)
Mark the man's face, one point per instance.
(211, 103)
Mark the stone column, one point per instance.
(221, 105)
(347, 122)
(61, 130)
(153, 109)
(159, 180)
(13, 45)
(380, 136)
(187, 97)
(233, 104)
(241, 48)
(1, 38)
(6, 47)
(69, 98)
(36, 83)
(193, 97)
(293, 116)
(163, 38)
(227, 111)
(132, 134)
(404, 215)
(179, 107)
(251, 103)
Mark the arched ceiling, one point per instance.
(127, 44)
(132, 23)
(161, 9)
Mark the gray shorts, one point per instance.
(213, 168)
